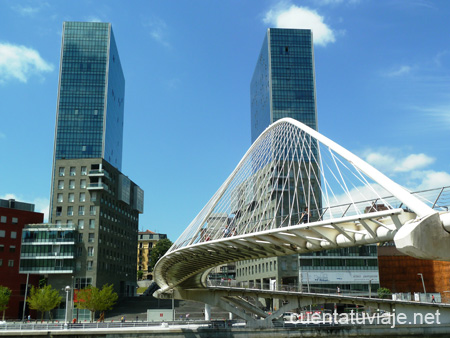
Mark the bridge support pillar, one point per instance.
(425, 239)
(207, 312)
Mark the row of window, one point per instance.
(81, 210)
(81, 223)
(72, 171)
(12, 248)
(10, 263)
(46, 250)
(257, 268)
(3, 234)
(4, 219)
(71, 197)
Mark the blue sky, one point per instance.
(382, 81)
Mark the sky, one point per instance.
(382, 82)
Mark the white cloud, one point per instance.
(402, 70)
(158, 30)
(335, 2)
(28, 10)
(414, 162)
(93, 18)
(20, 62)
(302, 18)
(432, 179)
(389, 161)
(440, 114)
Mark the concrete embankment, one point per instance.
(203, 332)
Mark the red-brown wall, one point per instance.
(9, 276)
(399, 273)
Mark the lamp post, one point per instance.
(423, 284)
(67, 289)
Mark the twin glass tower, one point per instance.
(283, 85)
(92, 202)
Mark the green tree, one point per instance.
(140, 274)
(383, 293)
(158, 251)
(94, 299)
(44, 299)
(5, 294)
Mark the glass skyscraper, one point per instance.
(283, 83)
(90, 195)
(90, 107)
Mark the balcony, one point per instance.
(97, 186)
(99, 173)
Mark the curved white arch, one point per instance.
(189, 257)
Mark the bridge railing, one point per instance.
(438, 199)
(233, 284)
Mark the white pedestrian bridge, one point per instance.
(296, 191)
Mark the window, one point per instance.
(2, 248)
(81, 224)
(92, 224)
(90, 251)
(92, 210)
(13, 234)
(58, 222)
(90, 264)
(11, 263)
(71, 197)
(80, 238)
(83, 184)
(93, 196)
(82, 197)
(79, 251)
(70, 211)
(2, 233)
(83, 171)
(59, 198)
(61, 184)
(58, 211)
(12, 248)
(3, 219)
(70, 223)
(61, 171)
(73, 171)
(1, 262)
(91, 238)
(81, 210)
(72, 184)
(15, 220)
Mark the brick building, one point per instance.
(14, 216)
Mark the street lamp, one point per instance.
(67, 289)
(423, 284)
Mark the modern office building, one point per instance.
(89, 192)
(14, 216)
(146, 241)
(283, 82)
(283, 85)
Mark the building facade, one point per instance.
(283, 82)
(89, 192)
(146, 241)
(403, 274)
(14, 215)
